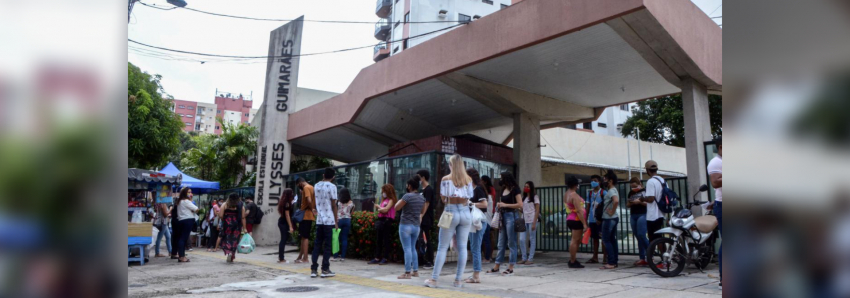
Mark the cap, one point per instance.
(651, 165)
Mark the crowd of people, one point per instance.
(463, 192)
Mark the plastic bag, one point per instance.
(586, 238)
(336, 241)
(494, 224)
(477, 220)
(137, 217)
(246, 244)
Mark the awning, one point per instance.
(151, 176)
(197, 185)
(604, 166)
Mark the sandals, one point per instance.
(404, 276)
(457, 284)
(183, 260)
(608, 267)
(430, 283)
(415, 274)
(592, 261)
(159, 256)
(508, 272)
(299, 261)
(282, 262)
(494, 270)
(471, 280)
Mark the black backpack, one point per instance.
(257, 213)
(668, 199)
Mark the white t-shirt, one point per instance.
(186, 210)
(528, 210)
(654, 188)
(715, 166)
(325, 195)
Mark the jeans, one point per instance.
(185, 229)
(345, 229)
(382, 249)
(639, 230)
(165, 231)
(475, 239)
(486, 245)
(428, 256)
(407, 234)
(507, 237)
(528, 236)
(283, 226)
(461, 224)
(609, 238)
(323, 242)
(718, 212)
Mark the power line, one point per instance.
(712, 12)
(290, 56)
(289, 20)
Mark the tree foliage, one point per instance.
(662, 120)
(304, 163)
(152, 128)
(222, 157)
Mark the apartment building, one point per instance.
(201, 116)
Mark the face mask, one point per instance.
(384, 195)
(527, 190)
(594, 184)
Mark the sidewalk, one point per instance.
(259, 275)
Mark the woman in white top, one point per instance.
(455, 191)
(185, 219)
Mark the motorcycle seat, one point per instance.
(706, 223)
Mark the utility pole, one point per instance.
(639, 161)
(130, 9)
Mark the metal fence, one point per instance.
(553, 234)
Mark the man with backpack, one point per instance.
(255, 215)
(654, 190)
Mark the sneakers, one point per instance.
(641, 263)
(373, 262)
(383, 262)
(427, 266)
(314, 274)
(575, 264)
(327, 273)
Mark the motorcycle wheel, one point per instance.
(655, 257)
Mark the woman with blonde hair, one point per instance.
(455, 190)
(386, 214)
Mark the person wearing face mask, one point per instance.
(386, 214)
(595, 224)
(610, 219)
(530, 213)
(638, 218)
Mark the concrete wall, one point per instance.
(308, 97)
(612, 116)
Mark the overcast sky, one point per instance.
(191, 31)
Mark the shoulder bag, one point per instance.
(495, 223)
(519, 223)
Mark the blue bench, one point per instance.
(137, 243)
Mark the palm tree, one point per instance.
(201, 160)
(235, 144)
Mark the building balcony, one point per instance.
(382, 29)
(381, 51)
(383, 8)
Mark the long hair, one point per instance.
(232, 201)
(473, 173)
(458, 174)
(344, 196)
(531, 192)
(508, 180)
(488, 184)
(285, 200)
(390, 191)
(184, 193)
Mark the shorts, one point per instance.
(304, 229)
(575, 225)
(595, 231)
(249, 227)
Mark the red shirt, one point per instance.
(493, 195)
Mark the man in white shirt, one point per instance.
(715, 172)
(326, 221)
(654, 189)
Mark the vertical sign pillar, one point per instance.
(273, 150)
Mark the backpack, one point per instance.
(597, 213)
(668, 199)
(258, 214)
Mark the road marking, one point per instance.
(362, 281)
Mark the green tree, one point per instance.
(187, 142)
(661, 120)
(152, 129)
(201, 160)
(302, 163)
(233, 147)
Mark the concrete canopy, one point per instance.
(559, 61)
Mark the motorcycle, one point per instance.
(688, 240)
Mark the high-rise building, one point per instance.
(405, 23)
(201, 116)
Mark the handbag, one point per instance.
(497, 219)
(299, 216)
(519, 223)
(446, 220)
(477, 220)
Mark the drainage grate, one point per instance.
(297, 289)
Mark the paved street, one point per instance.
(258, 275)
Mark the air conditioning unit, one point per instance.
(443, 13)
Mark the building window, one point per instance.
(181, 115)
(624, 107)
(462, 18)
(404, 44)
(188, 115)
(487, 1)
(182, 107)
(395, 50)
(407, 17)
(396, 24)
(504, 6)
(587, 125)
(191, 107)
(188, 124)
(602, 125)
(218, 111)
(216, 127)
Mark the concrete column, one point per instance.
(697, 131)
(527, 148)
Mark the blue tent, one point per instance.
(197, 185)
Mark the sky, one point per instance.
(191, 31)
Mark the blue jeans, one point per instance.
(507, 237)
(167, 232)
(488, 247)
(185, 230)
(475, 239)
(609, 238)
(524, 238)
(718, 212)
(461, 224)
(639, 230)
(407, 235)
(323, 243)
(345, 229)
